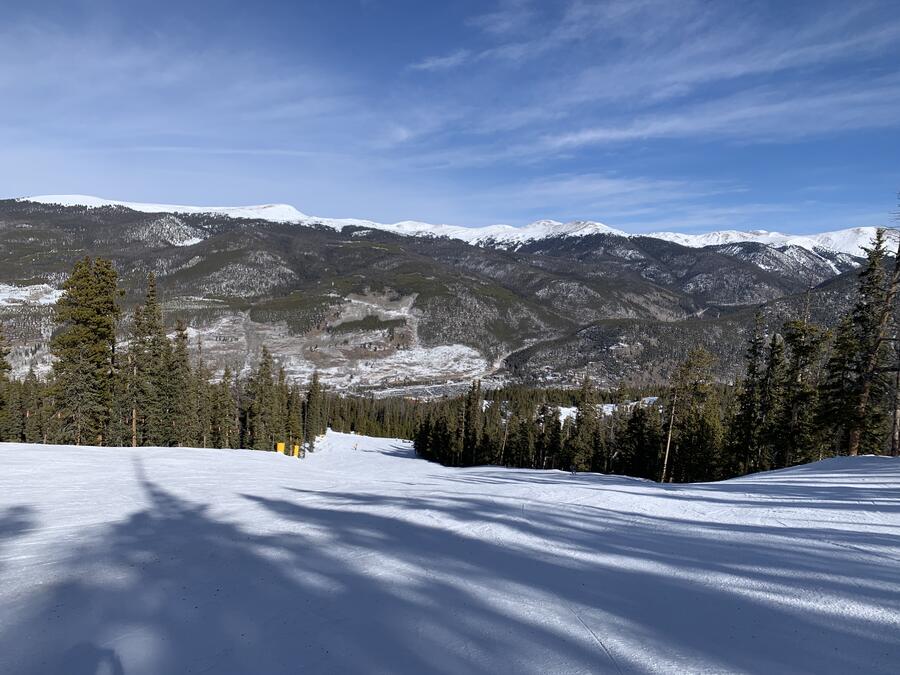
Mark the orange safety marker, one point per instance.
(280, 447)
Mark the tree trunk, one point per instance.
(665, 466)
(895, 428)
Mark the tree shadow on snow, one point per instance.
(448, 583)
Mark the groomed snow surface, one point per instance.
(370, 560)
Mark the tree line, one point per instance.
(147, 390)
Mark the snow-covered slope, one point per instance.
(364, 559)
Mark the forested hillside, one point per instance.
(372, 310)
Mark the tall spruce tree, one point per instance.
(225, 427)
(261, 405)
(473, 424)
(797, 432)
(314, 414)
(150, 355)
(697, 431)
(872, 315)
(84, 347)
(5, 407)
(772, 404)
(203, 398)
(854, 400)
(181, 392)
(585, 440)
(744, 434)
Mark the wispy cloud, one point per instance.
(447, 62)
(764, 113)
(510, 17)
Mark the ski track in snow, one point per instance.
(162, 560)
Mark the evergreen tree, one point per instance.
(35, 410)
(150, 385)
(224, 428)
(583, 445)
(798, 436)
(838, 388)
(5, 407)
(772, 404)
(87, 314)
(697, 429)
(473, 424)
(261, 410)
(871, 314)
(641, 442)
(182, 393)
(314, 414)
(744, 437)
(549, 441)
(203, 393)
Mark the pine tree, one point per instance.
(295, 416)
(203, 398)
(641, 442)
(225, 427)
(34, 409)
(148, 371)
(181, 392)
(696, 433)
(871, 319)
(5, 351)
(772, 404)
(549, 442)
(5, 407)
(472, 430)
(797, 433)
(314, 413)
(84, 347)
(584, 443)
(261, 413)
(744, 437)
(837, 390)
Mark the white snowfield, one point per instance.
(850, 241)
(365, 559)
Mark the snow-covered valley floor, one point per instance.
(369, 560)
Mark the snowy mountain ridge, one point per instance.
(848, 241)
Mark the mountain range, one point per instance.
(848, 241)
(411, 307)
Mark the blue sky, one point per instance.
(645, 115)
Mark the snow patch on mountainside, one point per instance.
(37, 294)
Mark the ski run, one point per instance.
(362, 558)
